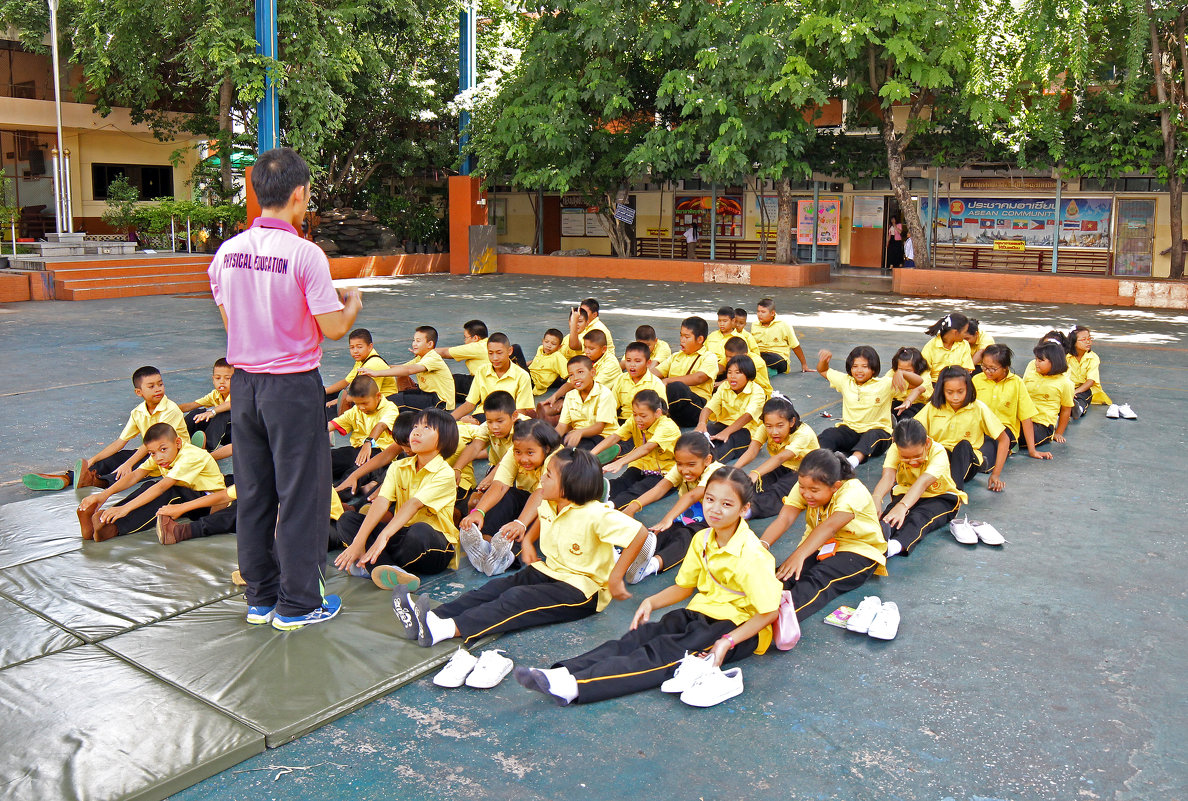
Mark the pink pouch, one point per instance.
(786, 629)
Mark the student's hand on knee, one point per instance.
(126, 469)
(469, 420)
(790, 568)
(572, 439)
(643, 614)
(661, 526)
(349, 484)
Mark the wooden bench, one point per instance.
(725, 250)
(1071, 260)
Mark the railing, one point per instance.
(724, 250)
(1075, 261)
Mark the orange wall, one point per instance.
(1035, 287)
(373, 266)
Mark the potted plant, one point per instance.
(122, 212)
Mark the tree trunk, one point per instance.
(785, 222)
(911, 215)
(226, 137)
(1175, 186)
(615, 228)
(1167, 129)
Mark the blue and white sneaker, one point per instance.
(358, 571)
(260, 615)
(330, 607)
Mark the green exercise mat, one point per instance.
(81, 724)
(284, 684)
(24, 635)
(108, 587)
(39, 527)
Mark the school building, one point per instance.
(101, 148)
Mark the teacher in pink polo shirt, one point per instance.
(274, 291)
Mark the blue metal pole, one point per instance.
(467, 73)
(1056, 233)
(714, 222)
(268, 127)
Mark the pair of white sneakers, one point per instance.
(1124, 411)
(481, 672)
(876, 618)
(701, 684)
(969, 532)
(489, 558)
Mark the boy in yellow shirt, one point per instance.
(635, 379)
(424, 381)
(688, 374)
(210, 415)
(776, 339)
(547, 367)
(588, 411)
(715, 343)
(368, 423)
(499, 373)
(472, 351)
(582, 321)
(185, 471)
(362, 350)
(658, 349)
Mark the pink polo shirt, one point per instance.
(271, 283)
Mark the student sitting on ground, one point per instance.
(211, 414)
(737, 346)
(658, 349)
(114, 462)
(1052, 392)
(688, 374)
(424, 381)
(472, 351)
(578, 577)
(843, 542)
(865, 428)
(492, 440)
(651, 437)
(788, 440)
(603, 367)
(582, 321)
(974, 437)
(728, 619)
(978, 341)
(733, 413)
(635, 378)
(497, 374)
(694, 464)
(368, 423)
(1084, 370)
(420, 536)
(923, 495)
(909, 399)
(776, 339)
(364, 480)
(1007, 396)
(547, 367)
(715, 343)
(948, 345)
(363, 352)
(184, 471)
(588, 410)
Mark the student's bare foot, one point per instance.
(85, 523)
(105, 531)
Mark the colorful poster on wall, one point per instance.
(1084, 221)
(767, 210)
(695, 210)
(827, 213)
(868, 212)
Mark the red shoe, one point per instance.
(105, 531)
(171, 532)
(86, 524)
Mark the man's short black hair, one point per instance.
(276, 174)
(142, 373)
(157, 432)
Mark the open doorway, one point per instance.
(894, 233)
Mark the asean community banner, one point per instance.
(1084, 221)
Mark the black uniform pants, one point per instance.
(927, 515)
(822, 580)
(684, 405)
(846, 440)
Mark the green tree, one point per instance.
(122, 198)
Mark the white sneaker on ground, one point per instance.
(456, 670)
(886, 622)
(715, 687)
(477, 549)
(491, 669)
(690, 669)
(1112, 412)
(864, 614)
(1126, 412)
(501, 555)
(988, 534)
(637, 570)
(963, 532)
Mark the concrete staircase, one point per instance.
(143, 275)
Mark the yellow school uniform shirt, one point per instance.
(940, 357)
(775, 337)
(597, 407)
(660, 352)
(675, 478)
(358, 425)
(496, 447)
(1086, 368)
(545, 368)
(607, 370)
(981, 342)
(166, 412)
(715, 343)
(193, 468)
(900, 395)
(973, 421)
(1008, 399)
(578, 544)
(726, 406)
(663, 432)
(802, 442)
(373, 361)
(511, 474)
(865, 407)
(466, 435)
(435, 378)
(761, 377)
(743, 565)
(596, 324)
(936, 464)
(863, 535)
(212, 399)
(433, 485)
(682, 364)
(515, 382)
(473, 353)
(336, 509)
(626, 388)
(1049, 393)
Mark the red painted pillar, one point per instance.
(465, 211)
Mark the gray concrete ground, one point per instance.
(1051, 668)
